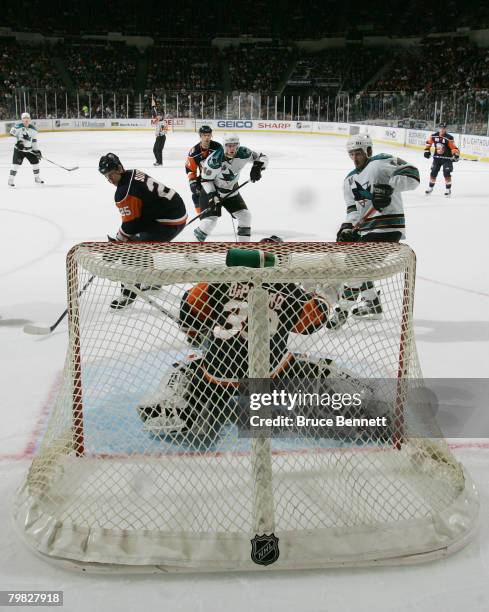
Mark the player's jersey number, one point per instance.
(158, 188)
(236, 323)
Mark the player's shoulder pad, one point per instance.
(19, 125)
(449, 136)
(215, 159)
(351, 173)
(194, 151)
(380, 156)
(243, 153)
(214, 145)
(32, 127)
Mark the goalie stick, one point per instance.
(43, 330)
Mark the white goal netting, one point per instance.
(149, 460)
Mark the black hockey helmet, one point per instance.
(109, 162)
(205, 129)
(442, 125)
(272, 239)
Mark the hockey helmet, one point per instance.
(205, 129)
(231, 139)
(25, 116)
(108, 163)
(272, 239)
(358, 141)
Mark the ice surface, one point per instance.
(299, 198)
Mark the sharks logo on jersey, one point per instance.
(361, 192)
(380, 169)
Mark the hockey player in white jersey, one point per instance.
(375, 212)
(220, 176)
(25, 148)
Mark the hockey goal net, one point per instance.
(149, 460)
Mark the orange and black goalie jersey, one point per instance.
(195, 158)
(445, 147)
(142, 202)
(219, 313)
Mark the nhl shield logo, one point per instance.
(264, 549)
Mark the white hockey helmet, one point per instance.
(358, 141)
(231, 139)
(25, 116)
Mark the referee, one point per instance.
(161, 128)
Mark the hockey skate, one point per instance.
(125, 300)
(11, 181)
(448, 193)
(38, 180)
(429, 191)
(338, 318)
(157, 164)
(368, 309)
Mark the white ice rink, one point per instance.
(299, 198)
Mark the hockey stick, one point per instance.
(362, 220)
(220, 201)
(60, 166)
(42, 330)
(152, 303)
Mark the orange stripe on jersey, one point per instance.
(198, 298)
(311, 315)
(192, 168)
(179, 221)
(130, 208)
(453, 147)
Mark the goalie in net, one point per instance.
(195, 395)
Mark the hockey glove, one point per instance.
(427, 154)
(456, 158)
(20, 146)
(214, 206)
(195, 187)
(38, 153)
(256, 169)
(381, 196)
(346, 233)
(121, 236)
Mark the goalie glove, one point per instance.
(346, 233)
(381, 196)
(256, 170)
